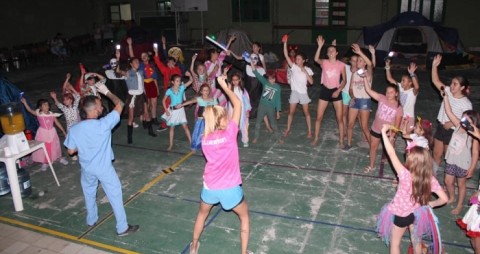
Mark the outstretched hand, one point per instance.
(437, 60)
(102, 88)
(320, 41)
(285, 38)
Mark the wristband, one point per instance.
(387, 68)
(412, 75)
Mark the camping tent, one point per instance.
(240, 45)
(411, 35)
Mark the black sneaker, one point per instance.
(160, 129)
(346, 148)
(130, 230)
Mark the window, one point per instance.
(431, 9)
(251, 10)
(164, 8)
(120, 12)
(330, 12)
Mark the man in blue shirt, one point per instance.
(92, 139)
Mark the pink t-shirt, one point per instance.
(386, 113)
(331, 73)
(220, 148)
(402, 205)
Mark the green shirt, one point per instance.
(270, 93)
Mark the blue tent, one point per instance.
(411, 35)
(10, 93)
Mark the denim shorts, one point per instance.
(361, 104)
(228, 198)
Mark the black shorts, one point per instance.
(326, 94)
(443, 135)
(402, 222)
(376, 135)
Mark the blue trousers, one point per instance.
(198, 134)
(113, 189)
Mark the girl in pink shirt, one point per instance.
(389, 112)
(333, 80)
(221, 178)
(407, 209)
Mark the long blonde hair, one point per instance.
(420, 164)
(213, 116)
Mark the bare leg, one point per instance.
(171, 133)
(322, 106)
(397, 234)
(449, 183)
(416, 243)
(364, 115)
(202, 215)
(437, 150)
(307, 119)
(187, 132)
(153, 106)
(374, 142)
(242, 212)
(352, 117)
(462, 189)
(291, 113)
(345, 118)
(337, 105)
(130, 116)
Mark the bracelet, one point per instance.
(387, 68)
(413, 75)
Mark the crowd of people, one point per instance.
(233, 89)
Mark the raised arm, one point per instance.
(388, 73)
(285, 50)
(130, 47)
(54, 97)
(356, 49)
(192, 64)
(320, 43)
(396, 163)
(27, 107)
(411, 71)
(237, 104)
(190, 79)
(369, 90)
(102, 88)
(448, 109)
(160, 65)
(435, 78)
(371, 49)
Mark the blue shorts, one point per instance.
(361, 104)
(346, 98)
(228, 198)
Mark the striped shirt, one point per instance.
(459, 105)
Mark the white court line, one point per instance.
(322, 196)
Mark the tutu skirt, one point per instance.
(471, 222)
(424, 225)
(177, 117)
(198, 134)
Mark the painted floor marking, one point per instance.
(65, 236)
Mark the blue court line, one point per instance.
(302, 220)
(284, 166)
(187, 247)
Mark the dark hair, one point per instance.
(171, 59)
(41, 102)
(332, 46)
(463, 82)
(173, 77)
(87, 102)
(68, 96)
(210, 52)
(130, 60)
(303, 55)
(474, 116)
(395, 87)
(239, 75)
(259, 45)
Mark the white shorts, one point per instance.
(296, 97)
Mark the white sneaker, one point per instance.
(63, 161)
(135, 125)
(44, 167)
(74, 158)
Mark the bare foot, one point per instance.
(314, 142)
(286, 133)
(280, 141)
(169, 148)
(309, 135)
(254, 141)
(269, 129)
(456, 211)
(452, 200)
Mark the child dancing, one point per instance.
(407, 209)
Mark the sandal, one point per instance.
(368, 170)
